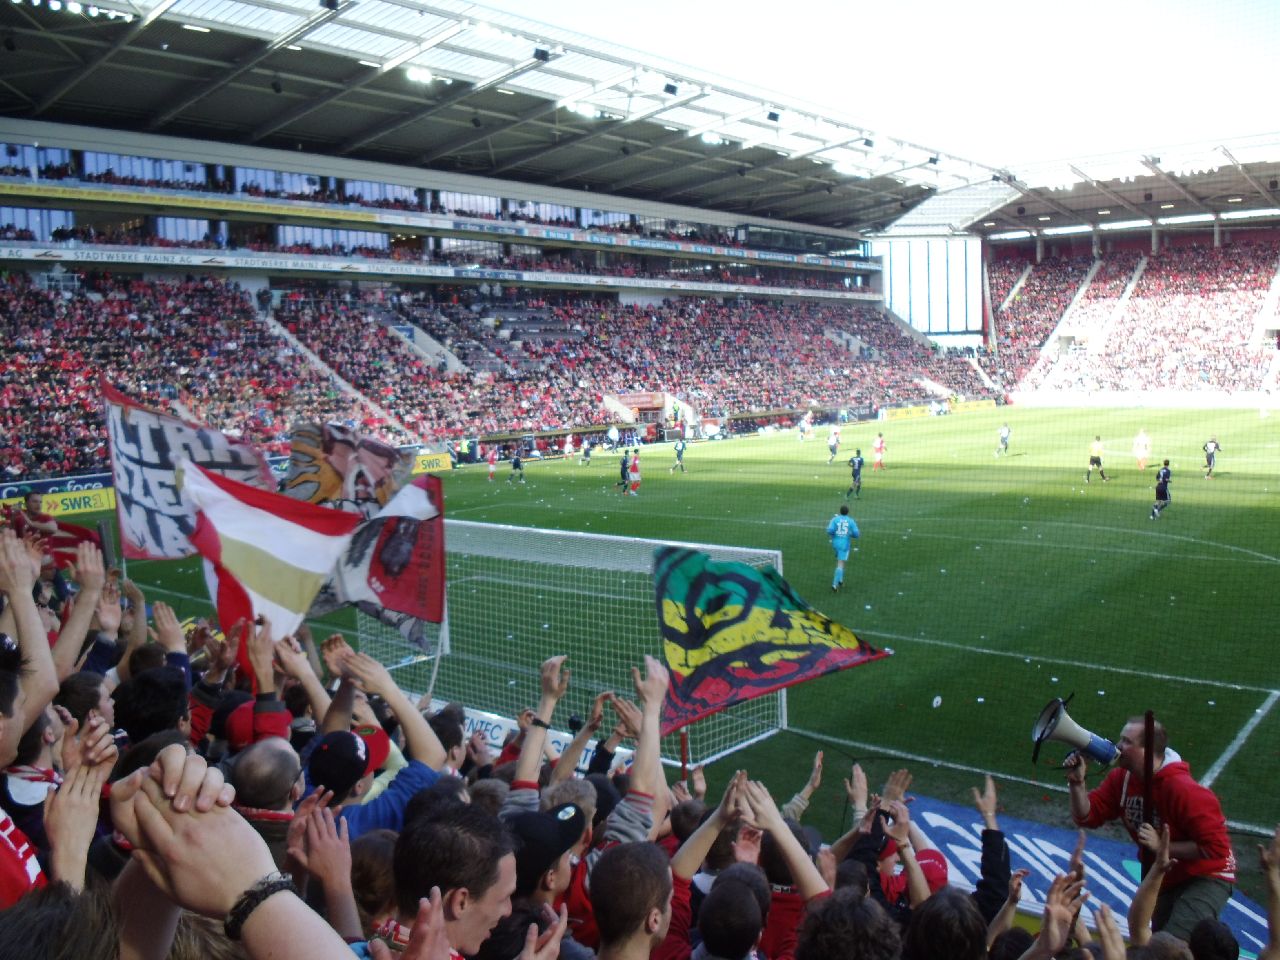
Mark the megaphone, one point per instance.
(1055, 723)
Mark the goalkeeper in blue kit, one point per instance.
(842, 531)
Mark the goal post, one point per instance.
(517, 595)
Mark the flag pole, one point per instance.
(1147, 858)
(684, 754)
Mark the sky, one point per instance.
(1001, 82)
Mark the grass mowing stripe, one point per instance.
(1058, 661)
(507, 581)
(1234, 747)
(1256, 556)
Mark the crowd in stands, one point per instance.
(1022, 326)
(1187, 326)
(10, 232)
(1001, 277)
(718, 358)
(419, 203)
(279, 799)
(201, 346)
(50, 171)
(649, 268)
(198, 343)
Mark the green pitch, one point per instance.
(998, 582)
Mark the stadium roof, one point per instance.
(1236, 183)
(453, 86)
(449, 85)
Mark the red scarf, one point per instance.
(24, 771)
(396, 936)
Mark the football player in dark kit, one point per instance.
(1163, 478)
(855, 486)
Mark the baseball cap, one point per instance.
(544, 837)
(342, 757)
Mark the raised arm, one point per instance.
(900, 831)
(1003, 920)
(767, 816)
(1077, 770)
(18, 572)
(294, 663)
(420, 741)
(568, 763)
(693, 851)
(554, 683)
(646, 771)
(1143, 907)
(993, 887)
(797, 805)
(92, 577)
(138, 627)
(1065, 898)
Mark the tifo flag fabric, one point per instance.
(146, 446)
(333, 466)
(396, 559)
(59, 546)
(731, 632)
(265, 554)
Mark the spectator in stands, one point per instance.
(1199, 882)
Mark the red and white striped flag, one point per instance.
(265, 554)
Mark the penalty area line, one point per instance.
(1234, 746)
(1034, 658)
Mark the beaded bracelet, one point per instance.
(249, 901)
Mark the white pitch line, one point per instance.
(1234, 746)
(1088, 547)
(920, 758)
(1221, 684)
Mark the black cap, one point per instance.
(544, 837)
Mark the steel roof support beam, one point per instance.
(599, 130)
(534, 113)
(1153, 164)
(359, 80)
(318, 18)
(136, 28)
(1253, 181)
(774, 161)
(370, 134)
(687, 134)
(1110, 194)
(1049, 202)
(581, 171)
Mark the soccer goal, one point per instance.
(517, 595)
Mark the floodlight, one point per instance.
(542, 55)
(670, 89)
(772, 116)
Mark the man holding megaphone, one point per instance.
(1198, 884)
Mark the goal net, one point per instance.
(517, 595)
